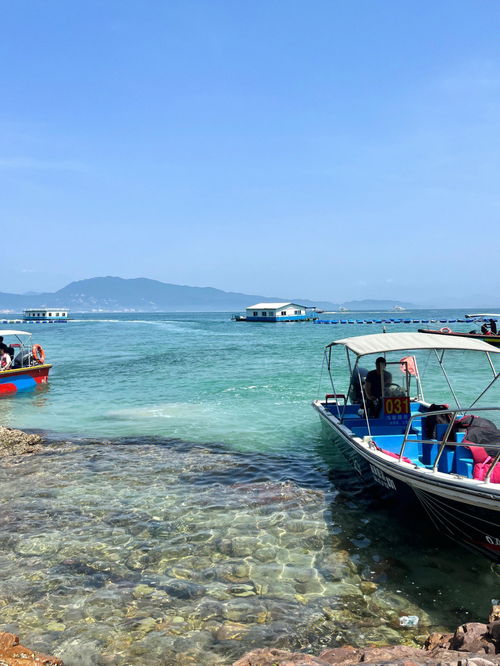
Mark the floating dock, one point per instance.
(400, 321)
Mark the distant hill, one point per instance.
(114, 294)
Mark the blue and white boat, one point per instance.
(415, 448)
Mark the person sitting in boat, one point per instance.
(5, 349)
(374, 386)
(5, 360)
(3, 346)
(484, 329)
(493, 327)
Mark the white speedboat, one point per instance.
(435, 453)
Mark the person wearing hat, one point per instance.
(374, 387)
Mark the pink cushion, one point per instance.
(395, 455)
(481, 470)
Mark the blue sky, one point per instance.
(326, 150)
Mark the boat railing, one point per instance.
(444, 442)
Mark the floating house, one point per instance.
(272, 312)
(46, 315)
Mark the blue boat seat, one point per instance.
(464, 462)
(393, 443)
(448, 460)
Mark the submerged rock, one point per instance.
(16, 442)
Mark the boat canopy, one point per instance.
(379, 343)
(10, 332)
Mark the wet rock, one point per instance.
(367, 587)
(437, 640)
(494, 613)
(256, 494)
(184, 589)
(236, 572)
(141, 591)
(274, 657)
(472, 637)
(244, 610)
(14, 654)
(231, 631)
(243, 589)
(265, 554)
(16, 442)
(336, 566)
(210, 610)
(37, 545)
(494, 631)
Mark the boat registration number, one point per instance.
(396, 406)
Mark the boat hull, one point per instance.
(23, 379)
(490, 339)
(465, 511)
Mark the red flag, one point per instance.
(408, 365)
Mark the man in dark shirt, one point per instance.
(374, 387)
(3, 346)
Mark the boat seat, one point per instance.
(359, 428)
(464, 462)
(393, 444)
(448, 461)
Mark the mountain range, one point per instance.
(114, 294)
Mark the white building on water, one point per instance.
(276, 312)
(46, 315)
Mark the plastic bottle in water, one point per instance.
(408, 620)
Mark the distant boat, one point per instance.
(490, 338)
(343, 309)
(398, 308)
(482, 314)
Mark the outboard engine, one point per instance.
(357, 380)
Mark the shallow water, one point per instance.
(208, 515)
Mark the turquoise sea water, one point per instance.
(191, 507)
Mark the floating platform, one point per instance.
(34, 321)
(399, 321)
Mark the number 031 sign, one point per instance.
(397, 406)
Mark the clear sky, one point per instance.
(324, 149)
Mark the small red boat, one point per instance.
(27, 368)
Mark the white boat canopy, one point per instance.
(10, 332)
(379, 343)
